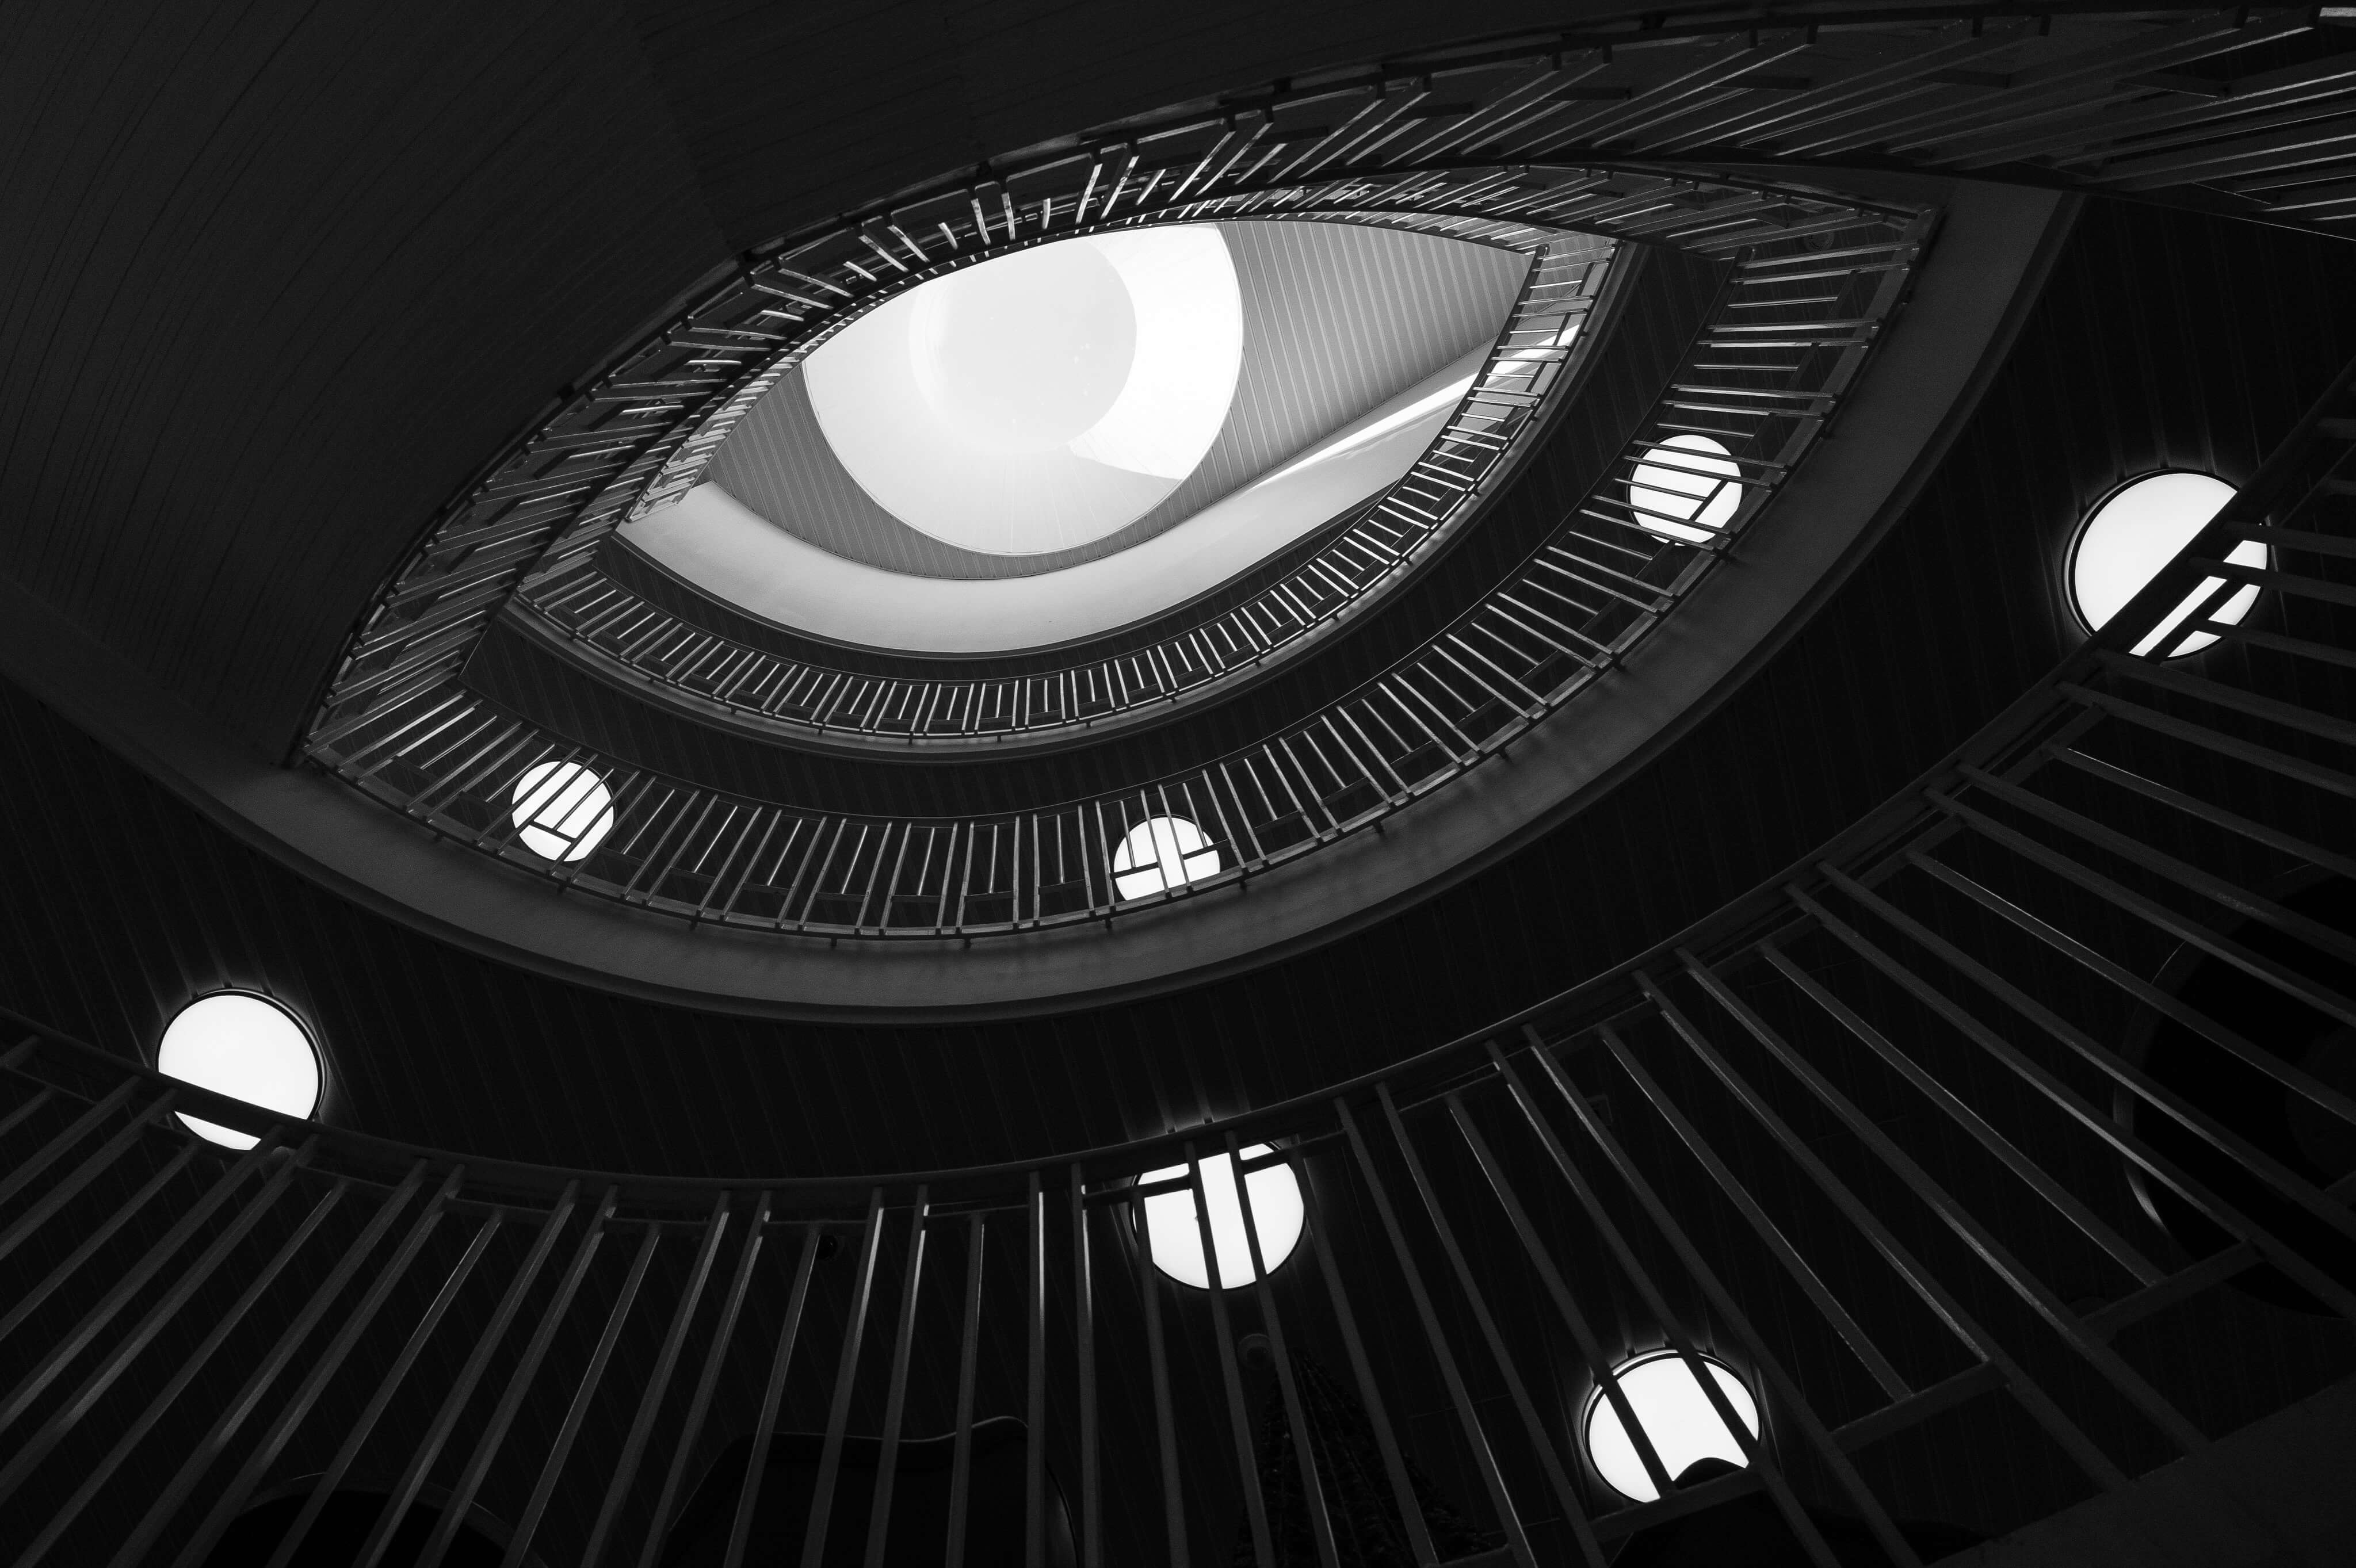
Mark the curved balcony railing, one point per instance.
(1891, 1138)
(1612, 130)
(1782, 347)
(1533, 364)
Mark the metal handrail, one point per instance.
(1586, 595)
(1532, 365)
(1692, 1152)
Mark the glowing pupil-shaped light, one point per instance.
(2138, 530)
(562, 811)
(244, 1046)
(1173, 1236)
(1028, 352)
(1162, 852)
(1675, 1412)
(1685, 491)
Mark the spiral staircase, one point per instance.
(2014, 1122)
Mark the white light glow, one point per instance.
(1161, 853)
(1686, 489)
(2139, 530)
(1039, 400)
(562, 811)
(245, 1045)
(1174, 1236)
(1675, 1414)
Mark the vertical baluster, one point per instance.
(46, 1370)
(724, 1336)
(1936, 1296)
(232, 1416)
(454, 1402)
(634, 1447)
(519, 1384)
(185, 1285)
(1812, 1284)
(968, 1354)
(34, 1300)
(1034, 1404)
(29, 1169)
(838, 1415)
(1149, 1290)
(96, 1475)
(98, 1161)
(1591, 1349)
(1672, 1327)
(1403, 1498)
(528, 1526)
(1550, 1462)
(388, 1388)
(1476, 1440)
(1084, 1351)
(1230, 1376)
(888, 1461)
(1722, 1302)
(757, 1463)
(1304, 1450)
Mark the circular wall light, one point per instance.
(1042, 399)
(562, 811)
(1686, 490)
(1161, 853)
(1173, 1238)
(1676, 1415)
(246, 1046)
(2138, 528)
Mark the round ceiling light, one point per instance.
(245, 1045)
(562, 811)
(1173, 1237)
(2134, 531)
(1683, 1426)
(1161, 853)
(1042, 399)
(1685, 491)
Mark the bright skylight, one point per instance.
(562, 811)
(2138, 529)
(246, 1046)
(1174, 1236)
(1687, 493)
(1040, 400)
(1675, 1414)
(1161, 853)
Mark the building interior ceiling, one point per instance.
(277, 279)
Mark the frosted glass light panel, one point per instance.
(2138, 529)
(562, 811)
(1161, 853)
(1676, 1415)
(1686, 490)
(1173, 1235)
(1040, 400)
(245, 1045)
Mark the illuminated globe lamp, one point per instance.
(2134, 531)
(246, 1046)
(1679, 1417)
(1174, 1232)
